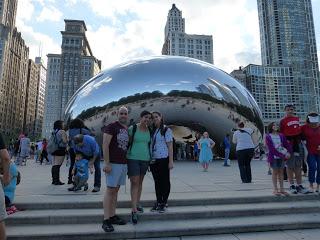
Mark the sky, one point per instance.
(119, 30)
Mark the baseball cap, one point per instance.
(313, 119)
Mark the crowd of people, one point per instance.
(149, 144)
(285, 142)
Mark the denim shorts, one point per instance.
(294, 162)
(117, 176)
(137, 167)
(277, 163)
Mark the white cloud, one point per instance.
(50, 13)
(72, 2)
(229, 21)
(38, 43)
(25, 10)
(43, 2)
(137, 27)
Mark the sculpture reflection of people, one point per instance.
(311, 134)
(244, 150)
(162, 161)
(138, 160)
(205, 145)
(279, 151)
(115, 144)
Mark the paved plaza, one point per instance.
(187, 181)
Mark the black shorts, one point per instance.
(59, 152)
(137, 167)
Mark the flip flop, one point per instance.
(276, 193)
(284, 193)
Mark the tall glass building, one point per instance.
(271, 87)
(288, 40)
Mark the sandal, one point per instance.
(284, 193)
(276, 193)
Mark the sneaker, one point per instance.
(96, 189)
(302, 189)
(134, 217)
(107, 226)
(86, 186)
(71, 189)
(155, 207)
(161, 208)
(77, 189)
(140, 209)
(70, 181)
(293, 189)
(58, 183)
(269, 172)
(118, 221)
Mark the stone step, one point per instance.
(72, 201)
(167, 228)
(85, 216)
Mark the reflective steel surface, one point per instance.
(192, 95)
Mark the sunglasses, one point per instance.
(123, 114)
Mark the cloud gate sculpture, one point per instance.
(193, 96)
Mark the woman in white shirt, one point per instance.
(245, 150)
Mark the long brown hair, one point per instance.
(270, 130)
(162, 127)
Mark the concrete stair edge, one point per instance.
(172, 202)
(75, 216)
(243, 225)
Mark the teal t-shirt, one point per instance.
(140, 145)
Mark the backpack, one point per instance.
(134, 129)
(53, 144)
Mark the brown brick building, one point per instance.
(14, 56)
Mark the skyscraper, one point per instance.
(34, 106)
(31, 98)
(68, 71)
(41, 88)
(288, 40)
(178, 43)
(14, 56)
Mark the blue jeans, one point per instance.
(226, 155)
(97, 173)
(314, 168)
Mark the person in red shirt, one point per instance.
(44, 152)
(290, 128)
(311, 134)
